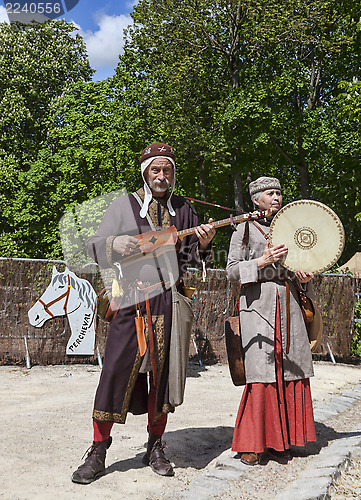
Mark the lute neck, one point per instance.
(259, 214)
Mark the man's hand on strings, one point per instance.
(125, 244)
(205, 234)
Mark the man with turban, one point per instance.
(133, 379)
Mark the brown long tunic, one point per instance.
(121, 387)
(258, 312)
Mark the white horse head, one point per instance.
(74, 297)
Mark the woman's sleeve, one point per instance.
(239, 266)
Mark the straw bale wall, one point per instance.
(335, 297)
(22, 282)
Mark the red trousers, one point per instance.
(274, 415)
(102, 429)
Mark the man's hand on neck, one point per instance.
(205, 234)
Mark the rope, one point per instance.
(212, 204)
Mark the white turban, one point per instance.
(148, 193)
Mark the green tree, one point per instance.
(77, 163)
(246, 90)
(239, 89)
(37, 63)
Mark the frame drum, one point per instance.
(313, 234)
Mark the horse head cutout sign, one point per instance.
(68, 295)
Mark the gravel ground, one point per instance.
(348, 485)
(46, 428)
(271, 479)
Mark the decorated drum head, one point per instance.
(313, 234)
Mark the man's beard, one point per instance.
(159, 186)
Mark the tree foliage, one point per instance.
(243, 91)
(37, 63)
(240, 88)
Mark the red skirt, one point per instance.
(274, 415)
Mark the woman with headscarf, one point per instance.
(276, 407)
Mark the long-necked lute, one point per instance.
(152, 240)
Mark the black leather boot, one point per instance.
(94, 465)
(155, 456)
(152, 438)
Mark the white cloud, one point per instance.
(3, 15)
(131, 4)
(105, 44)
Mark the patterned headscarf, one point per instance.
(262, 184)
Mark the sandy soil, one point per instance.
(46, 428)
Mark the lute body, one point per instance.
(152, 240)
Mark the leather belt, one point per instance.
(147, 287)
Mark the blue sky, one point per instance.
(101, 24)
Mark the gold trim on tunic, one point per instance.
(153, 210)
(158, 325)
(109, 249)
